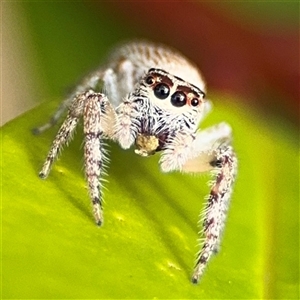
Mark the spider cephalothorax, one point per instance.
(152, 97)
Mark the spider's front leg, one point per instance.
(99, 119)
(215, 213)
(65, 133)
(210, 150)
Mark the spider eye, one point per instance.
(161, 91)
(195, 102)
(178, 99)
(150, 80)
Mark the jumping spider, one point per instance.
(140, 97)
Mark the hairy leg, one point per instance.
(208, 150)
(65, 132)
(215, 213)
(99, 118)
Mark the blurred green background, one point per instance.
(50, 246)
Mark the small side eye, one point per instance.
(150, 80)
(161, 91)
(195, 102)
(178, 99)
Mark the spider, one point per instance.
(150, 96)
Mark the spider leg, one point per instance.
(54, 118)
(215, 213)
(209, 150)
(99, 119)
(90, 82)
(65, 133)
(100, 122)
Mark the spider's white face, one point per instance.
(171, 93)
(162, 104)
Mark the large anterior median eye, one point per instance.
(161, 91)
(178, 99)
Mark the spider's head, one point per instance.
(171, 93)
(167, 104)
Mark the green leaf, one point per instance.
(51, 247)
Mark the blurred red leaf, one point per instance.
(261, 66)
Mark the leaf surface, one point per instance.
(51, 247)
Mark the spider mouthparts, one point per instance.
(146, 145)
